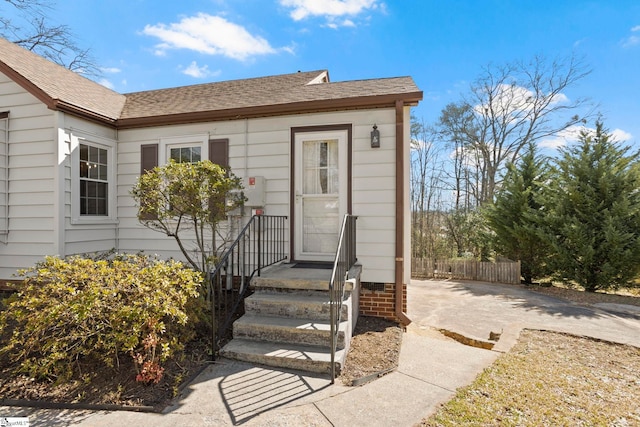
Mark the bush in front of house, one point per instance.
(75, 310)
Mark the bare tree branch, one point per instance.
(508, 107)
(54, 42)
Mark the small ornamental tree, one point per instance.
(594, 213)
(517, 214)
(187, 201)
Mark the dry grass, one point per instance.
(629, 296)
(551, 379)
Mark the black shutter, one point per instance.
(219, 152)
(148, 161)
(148, 157)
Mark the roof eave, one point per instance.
(376, 101)
(51, 103)
(66, 107)
(26, 84)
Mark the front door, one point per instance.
(320, 193)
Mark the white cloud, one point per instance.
(110, 70)
(332, 10)
(305, 8)
(106, 83)
(211, 35)
(348, 23)
(572, 134)
(620, 135)
(199, 72)
(514, 101)
(632, 40)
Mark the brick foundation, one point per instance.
(378, 300)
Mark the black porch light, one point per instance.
(375, 137)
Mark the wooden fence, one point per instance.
(500, 272)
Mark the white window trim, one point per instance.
(77, 138)
(201, 140)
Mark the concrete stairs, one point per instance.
(286, 321)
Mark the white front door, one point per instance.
(320, 193)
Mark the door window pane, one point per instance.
(320, 216)
(320, 163)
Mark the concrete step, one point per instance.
(285, 277)
(290, 356)
(308, 305)
(288, 330)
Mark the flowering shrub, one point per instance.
(74, 309)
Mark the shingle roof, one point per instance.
(257, 92)
(292, 93)
(215, 96)
(54, 84)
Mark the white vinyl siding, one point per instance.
(29, 187)
(260, 147)
(39, 193)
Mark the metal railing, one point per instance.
(344, 260)
(260, 244)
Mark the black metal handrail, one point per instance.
(260, 244)
(344, 260)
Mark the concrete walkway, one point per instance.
(431, 367)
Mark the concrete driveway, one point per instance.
(474, 309)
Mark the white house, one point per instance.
(71, 149)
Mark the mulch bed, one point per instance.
(97, 384)
(374, 350)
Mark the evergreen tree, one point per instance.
(516, 215)
(594, 216)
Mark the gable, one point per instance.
(58, 87)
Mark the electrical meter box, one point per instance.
(254, 191)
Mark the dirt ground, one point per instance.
(625, 296)
(100, 384)
(374, 351)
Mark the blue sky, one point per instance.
(145, 44)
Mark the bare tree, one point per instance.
(31, 30)
(426, 191)
(506, 108)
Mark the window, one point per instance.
(93, 178)
(183, 149)
(185, 154)
(94, 181)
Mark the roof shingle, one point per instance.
(281, 94)
(58, 84)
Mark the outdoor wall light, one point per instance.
(375, 137)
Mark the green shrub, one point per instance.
(78, 309)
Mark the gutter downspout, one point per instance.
(399, 292)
